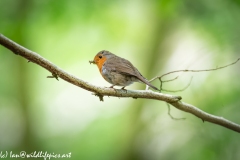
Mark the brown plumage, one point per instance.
(118, 71)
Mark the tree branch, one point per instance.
(186, 70)
(101, 92)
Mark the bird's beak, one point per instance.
(92, 62)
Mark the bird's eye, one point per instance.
(100, 57)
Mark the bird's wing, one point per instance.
(123, 66)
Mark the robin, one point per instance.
(118, 71)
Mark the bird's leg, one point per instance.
(112, 86)
(123, 88)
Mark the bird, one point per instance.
(118, 71)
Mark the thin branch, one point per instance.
(100, 91)
(202, 70)
(58, 72)
(180, 90)
(169, 113)
(169, 80)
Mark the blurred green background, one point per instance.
(158, 36)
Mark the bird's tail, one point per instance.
(149, 84)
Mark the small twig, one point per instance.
(169, 113)
(180, 90)
(99, 96)
(161, 82)
(54, 75)
(169, 80)
(203, 70)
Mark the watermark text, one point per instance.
(36, 154)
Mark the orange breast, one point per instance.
(100, 63)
